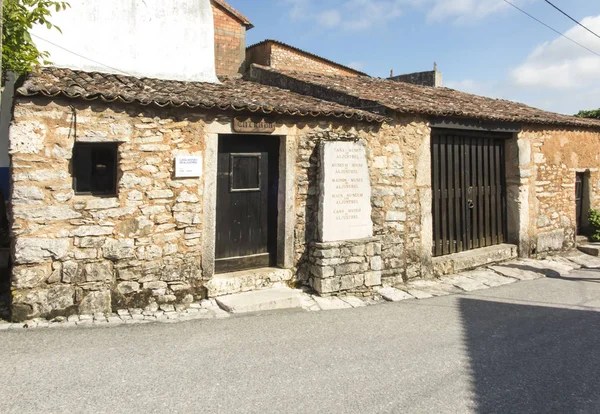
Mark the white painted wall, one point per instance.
(165, 39)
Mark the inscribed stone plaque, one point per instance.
(253, 125)
(345, 192)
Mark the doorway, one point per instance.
(247, 191)
(469, 190)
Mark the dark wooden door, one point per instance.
(469, 190)
(247, 187)
(579, 201)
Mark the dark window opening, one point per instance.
(95, 168)
(244, 173)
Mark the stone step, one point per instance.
(460, 262)
(247, 280)
(582, 240)
(592, 249)
(261, 300)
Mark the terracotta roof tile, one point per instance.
(232, 94)
(407, 98)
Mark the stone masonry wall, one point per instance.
(349, 266)
(284, 58)
(555, 156)
(230, 42)
(395, 153)
(90, 254)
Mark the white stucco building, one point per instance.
(163, 39)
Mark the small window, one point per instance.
(95, 168)
(244, 172)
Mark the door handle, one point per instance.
(470, 204)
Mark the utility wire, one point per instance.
(81, 56)
(572, 19)
(553, 29)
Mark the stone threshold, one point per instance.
(486, 277)
(593, 249)
(472, 259)
(247, 280)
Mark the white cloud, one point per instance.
(360, 14)
(356, 65)
(329, 18)
(561, 64)
(365, 14)
(298, 8)
(464, 11)
(558, 76)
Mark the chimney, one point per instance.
(430, 78)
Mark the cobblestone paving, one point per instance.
(482, 278)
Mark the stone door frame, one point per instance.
(286, 204)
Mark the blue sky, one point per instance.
(481, 46)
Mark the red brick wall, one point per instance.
(230, 42)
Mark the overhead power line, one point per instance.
(81, 56)
(552, 28)
(586, 28)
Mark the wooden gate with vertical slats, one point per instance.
(469, 190)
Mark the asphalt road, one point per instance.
(530, 347)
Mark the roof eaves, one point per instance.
(243, 19)
(53, 91)
(334, 93)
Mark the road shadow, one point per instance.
(530, 359)
(553, 274)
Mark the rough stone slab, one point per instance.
(331, 303)
(394, 295)
(585, 261)
(518, 270)
(547, 267)
(565, 262)
(353, 301)
(490, 278)
(463, 282)
(260, 300)
(419, 294)
(591, 249)
(434, 288)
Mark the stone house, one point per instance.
(132, 191)
(460, 156)
(146, 232)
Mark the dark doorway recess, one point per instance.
(469, 190)
(579, 184)
(247, 190)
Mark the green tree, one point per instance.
(19, 52)
(595, 113)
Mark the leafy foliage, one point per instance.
(19, 53)
(594, 219)
(589, 114)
